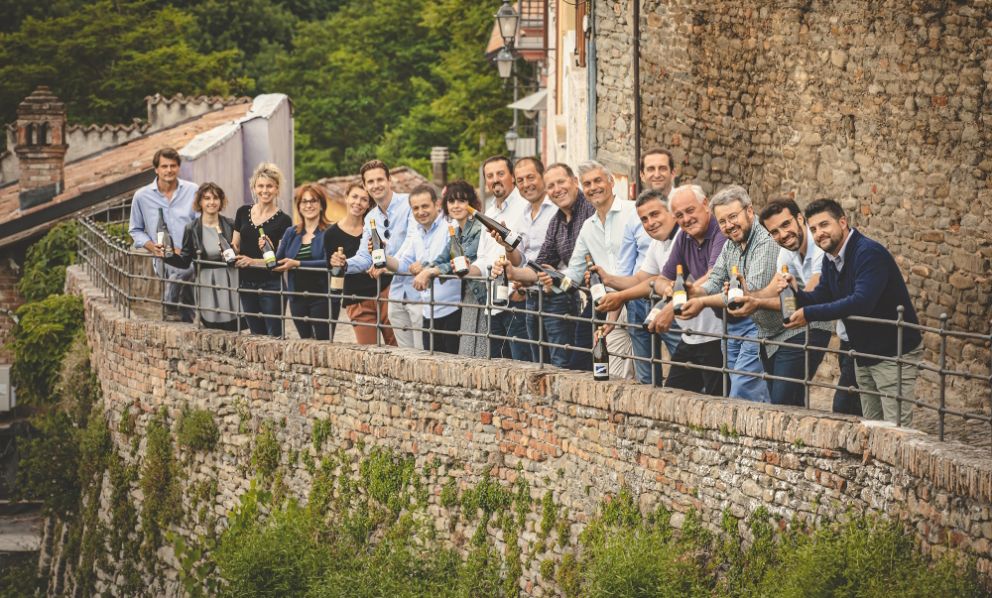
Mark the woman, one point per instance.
(303, 246)
(203, 239)
(455, 199)
(360, 288)
(260, 288)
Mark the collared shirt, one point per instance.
(697, 258)
(634, 248)
(804, 268)
(510, 214)
(534, 229)
(559, 241)
(756, 262)
(838, 260)
(178, 212)
(399, 219)
(424, 246)
(706, 321)
(601, 240)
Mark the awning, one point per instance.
(531, 103)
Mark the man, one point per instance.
(754, 253)
(573, 210)
(696, 248)
(174, 197)
(656, 174)
(658, 225)
(426, 241)
(861, 278)
(392, 218)
(508, 207)
(804, 261)
(600, 237)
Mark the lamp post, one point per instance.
(511, 139)
(504, 62)
(507, 19)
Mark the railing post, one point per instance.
(489, 311)
(943, 376)
(129, 259)
(540, 328)
(430, 334)
(806, 367)
(724, 375)
(899, 314)
(378, 311)
(331, 324)
(652, 299)
(197, 289)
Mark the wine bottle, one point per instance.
(655, 312)
(679, 296)
(503, 291)
(226, 251)
(337, 274)
(162, 236)
(600, 358)
(788, 300)
(378, 247)
(509, 237)
(559, 282)
(268, 253)
(735, 294)
(596, 287)
(458, 258)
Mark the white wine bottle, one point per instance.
(679, 296)
(378, 247)
(735, 294)
(337, 274)
(268, 252)
(788, 300)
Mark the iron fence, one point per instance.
(128, 277)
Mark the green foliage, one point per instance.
(265, 457)
(48, 469)
(19, 576)
(321, 432)
(197, 430)
(102, 58)
(162, 501)
(385, 476)
(46, 261)
(40, 339)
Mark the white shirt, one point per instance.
(534, 229)
(804, 268)
(424, 246)
(602, 241)
(511, 214)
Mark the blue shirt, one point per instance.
(633, 248)
(601, 240)
(424, 246)
(400, 219)
(178, 212)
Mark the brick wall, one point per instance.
(880, 105)
(580, 439)
(10, 300)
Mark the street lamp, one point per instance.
(507, 19)
(504, 62)
(511, 140)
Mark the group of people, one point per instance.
(671, 267)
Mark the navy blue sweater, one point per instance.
(869, 285)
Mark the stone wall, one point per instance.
(881, 105)
(565, 433)
(10, 300)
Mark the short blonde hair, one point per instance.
(266, 170)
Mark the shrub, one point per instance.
(48, 469)
(40, 339)
(46, 261)
(196, 430)
(161, 505)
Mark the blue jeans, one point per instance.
(556, 330)
(641, 341)
(263, 311)
(789, 362)
(513, 325)
(310, 307)
(744, 356)
(846, 401)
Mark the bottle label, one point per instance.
(269, 257)
(512, 239)
(337, 283)
(228, 255)
(566, 283)
(679, 298)
(598, 292)
(160, 237)
(733, 295)
(461, 263)
(652, 315)
(789, 305)
(378, 256)
(601, 370)
(502, 295)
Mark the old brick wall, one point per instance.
(882, 105)
(580, 439)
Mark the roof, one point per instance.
(404, 180)
(114, 165)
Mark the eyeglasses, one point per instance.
(305, 202)
(730, 218)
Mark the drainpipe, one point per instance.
(636, 59)
(591, 78)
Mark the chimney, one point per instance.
(439, 164)
(40, 147)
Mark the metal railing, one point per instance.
(125, 278)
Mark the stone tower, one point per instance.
(40, 147)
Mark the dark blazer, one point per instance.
(870, 285)
(193, 243)
(289, 246)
